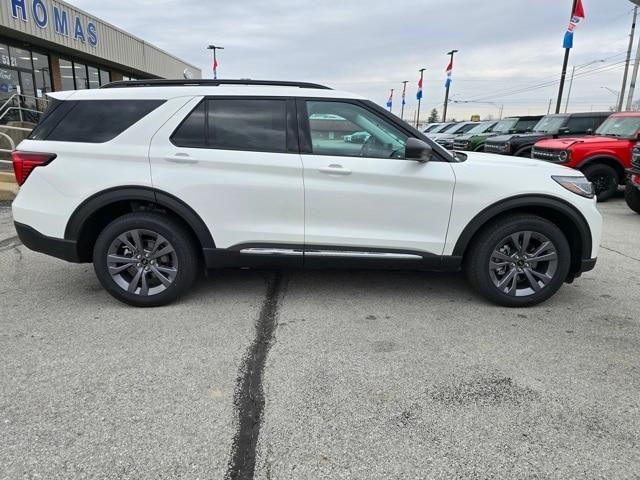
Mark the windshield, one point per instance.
(550, 124)
(622, 127)
(505, 125)
(463, 128)
(446, 128)
(482, 128)
(432, 127)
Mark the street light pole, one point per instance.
(215, 59)
(573, 73)
(628, 61)
(446, 95)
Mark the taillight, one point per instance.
(25, 162)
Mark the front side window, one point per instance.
(580, 124)
(235, 124)
(526, 125)
(550, 124)
(349, 130)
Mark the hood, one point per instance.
(568, 142)
(525, 136)
(445, 136)
(503, 161)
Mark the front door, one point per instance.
(362, 196)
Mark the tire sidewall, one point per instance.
(486, 248)
(632, 197)
(157, 224)
(596, 170)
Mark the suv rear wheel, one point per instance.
(518, 261)
(145, 259)
(605, 180)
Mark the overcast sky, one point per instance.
(371, 46)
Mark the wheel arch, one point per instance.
(561, 213)
(523, 149)
(604, 160)
(92, 215)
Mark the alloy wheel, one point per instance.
(523, 264)
(142, 262)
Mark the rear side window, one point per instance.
(235, 124)
(92, 121)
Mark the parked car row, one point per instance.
(599, 144)
(632, 192)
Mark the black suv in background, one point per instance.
(551, 126)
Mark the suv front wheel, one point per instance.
(145, 259)
(518, 261)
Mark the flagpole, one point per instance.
(420, 99)
(565, 64)
(390, 102)
(446, 95)
(215, 59)
(404, 95)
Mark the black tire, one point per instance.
(632, 196)
(183, 255)
(605, 180)
(480, 254)
(526, 153)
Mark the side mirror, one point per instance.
(418, 150)
(564, 130)
(590, 131)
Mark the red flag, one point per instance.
(579, 11)
(215, 65)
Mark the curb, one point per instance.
(8, 186)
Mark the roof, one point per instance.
(582, 114)
(162, 92)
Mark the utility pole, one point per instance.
(404, 96)
(565, 64)
(634, 79)
(550, 103)
(629, 50)
(215, 59)
(419, 95)
(448, 86)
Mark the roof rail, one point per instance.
(210, 83)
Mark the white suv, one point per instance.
(155, 180)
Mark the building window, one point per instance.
(94, 77)
(105, 77)
(80, 72)
(42, 73)
(66, 72)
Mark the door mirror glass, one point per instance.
(419, 150)
(563, 130)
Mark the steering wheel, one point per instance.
(369, 144)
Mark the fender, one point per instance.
(144, 194)
(546, 201)
(594, 158)
(523, 149)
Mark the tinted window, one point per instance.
(525, 125)
(235, 124)
(581, 124)
(349, 130)
(248, 125)
(92, 121)
(191, 133)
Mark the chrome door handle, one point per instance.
(335, 170)
(180, 158)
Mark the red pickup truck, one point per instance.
(603, 157)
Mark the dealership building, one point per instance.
(48, 45)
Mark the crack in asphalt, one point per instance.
(620, 253)
(9, 243)
(249, 395)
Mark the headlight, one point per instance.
(507, 147)
(578, 185)
(564, 156)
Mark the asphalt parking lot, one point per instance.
(369, 375)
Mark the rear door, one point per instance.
(235, 161)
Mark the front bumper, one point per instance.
(55, 247)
